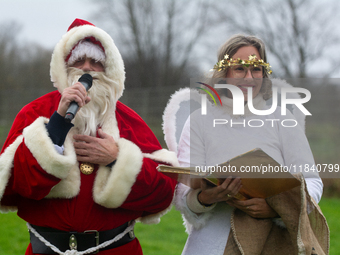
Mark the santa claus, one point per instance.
(81, 185)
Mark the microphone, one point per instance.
(86, 80)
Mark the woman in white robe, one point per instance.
(207, 210)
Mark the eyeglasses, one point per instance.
(240, 71)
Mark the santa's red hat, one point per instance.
(85, 39)
(88, 47)
(78, 23)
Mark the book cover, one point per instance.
(261, 175)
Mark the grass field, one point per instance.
(168, 237)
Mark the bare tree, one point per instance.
(8, 50)
(156, 37)
(299, 34)
(9, 60)
(24, 74)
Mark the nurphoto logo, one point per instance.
(239, 105)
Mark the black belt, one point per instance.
(66, 240)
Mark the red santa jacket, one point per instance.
(48, 189)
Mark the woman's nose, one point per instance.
(248, 74)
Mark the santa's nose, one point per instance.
(87, 65)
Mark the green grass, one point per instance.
(168, 237)
(331, 208)
(14, 235)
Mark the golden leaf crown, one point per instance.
(227, 62)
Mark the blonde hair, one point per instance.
(231, 46)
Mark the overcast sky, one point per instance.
(44, 21)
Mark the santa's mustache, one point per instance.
(76, 73)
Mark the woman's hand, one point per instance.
(229, 188)
(255, 207)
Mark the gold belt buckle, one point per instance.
(96, 237)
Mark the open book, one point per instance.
(261, 175)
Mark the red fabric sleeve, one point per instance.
(152, 191)
(28, 179)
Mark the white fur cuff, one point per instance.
(6, 164)
(191, 219)
(41, 146)
(164, 156)
(112, 186)
(88, 49)
(194, 205)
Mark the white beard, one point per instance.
(103, 102)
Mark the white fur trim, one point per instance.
(41, 146)
(191, 219)
(112, 186)
(6, 164)
(68, 187)
(171, 127)
(88, 49)
(164, 156)
(114, 65)
(194, 205)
